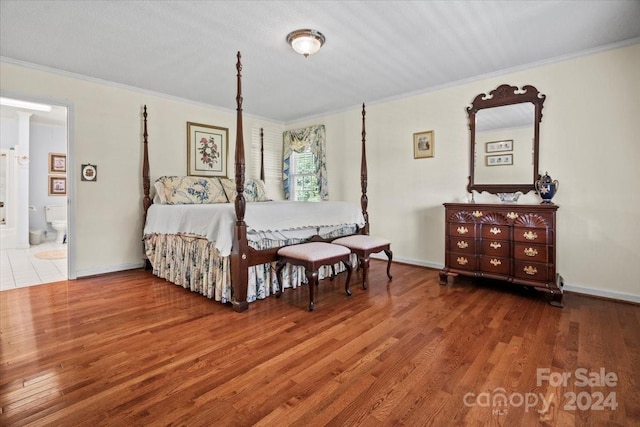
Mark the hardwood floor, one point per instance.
(129, 349)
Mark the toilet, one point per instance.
(57, 217)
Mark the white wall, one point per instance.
(588, 142)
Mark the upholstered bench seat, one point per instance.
(363, 246)
(312, 256)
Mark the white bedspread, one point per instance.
(216, 221)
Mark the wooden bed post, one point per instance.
(146, 184)
(261, 154)
(239, 254)
(364, 201)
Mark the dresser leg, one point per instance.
(444, 277)
(556, 300)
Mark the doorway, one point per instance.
(41, 178)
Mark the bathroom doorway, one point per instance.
(39, 141)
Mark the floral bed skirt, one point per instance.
(194, 263)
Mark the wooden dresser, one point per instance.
(510, 242)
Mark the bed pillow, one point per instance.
(159, 186)
(254, 190)
(183, 190)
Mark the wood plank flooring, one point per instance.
(129, 349)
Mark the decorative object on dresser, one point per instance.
(513, 243)
(547, 188)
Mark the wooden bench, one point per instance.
(312, 256)
(363, 246)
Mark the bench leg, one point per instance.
(390, 256)
(312, 278)
(347, 265)
(365, 271)
(279, 267)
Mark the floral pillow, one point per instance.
(182, 190)
(254, 190)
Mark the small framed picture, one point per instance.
(57, 163)
(423, 144)
(57, 185)
(89, 172)
(497, 146)
(499, 160)
(207, 150)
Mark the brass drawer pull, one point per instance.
(495, 245)
(462, 244)
(495, 262)
(512, 215)
(462, 260)
(530, 252)
(477, 214)
(530, 235)
(530, 270)
(462, 230)
(495, 230)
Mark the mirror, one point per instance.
(505, 129)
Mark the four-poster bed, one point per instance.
(227, 251)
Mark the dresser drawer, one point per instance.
(531, 271)
(493, 247)
(531, 253)
(462, 245)
(462, 229)
(492, 231)
(495, 265)
(462, 261)
(530, 235)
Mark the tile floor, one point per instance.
(20, 267)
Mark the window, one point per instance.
(304, 177)
(304, 170)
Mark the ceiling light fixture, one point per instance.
(306, 42)
(9, 102)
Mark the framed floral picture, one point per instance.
(57, 163)
(207, 150)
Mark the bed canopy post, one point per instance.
(146, 184)
(239, 255)
(364, 201)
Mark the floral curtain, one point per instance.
(298, 140)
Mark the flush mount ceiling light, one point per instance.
(306, 42)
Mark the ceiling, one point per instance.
(375, 50)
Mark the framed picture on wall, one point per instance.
(57, 163)
(207, 150)
(499, 160)
(57, 185)
(423, 144)
(497, 146)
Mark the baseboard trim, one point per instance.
(409, 261)
(620, 296)
(112, 269)
(600, 293)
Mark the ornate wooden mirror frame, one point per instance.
(505, 95)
